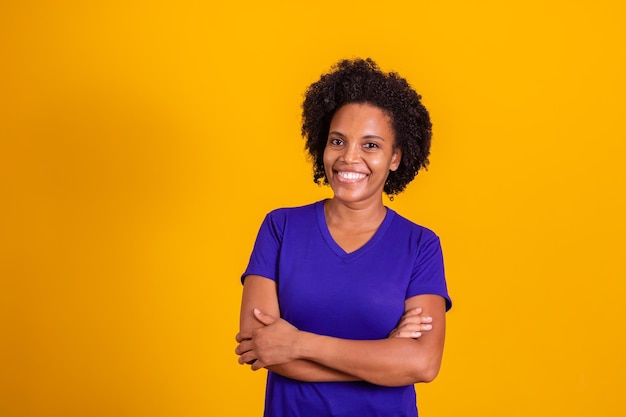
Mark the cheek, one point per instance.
(379, 162)
(326, 158)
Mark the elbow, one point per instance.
(428, 375)
(425, 370)
(419, 371)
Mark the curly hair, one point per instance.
(361, 81)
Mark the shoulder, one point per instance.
(279, 218)
(294, 212)
(416, 231)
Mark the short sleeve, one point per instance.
(428, 276)
(266, 252)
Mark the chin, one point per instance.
(351, 197)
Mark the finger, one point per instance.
(247, 358)
(413, 312)
(241, 336)
(415, 320)
(407, 334)
(413, 327)
(243, 347)
(264, 318)
(256, 365)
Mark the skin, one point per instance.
(359, 155)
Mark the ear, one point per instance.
(396, 157)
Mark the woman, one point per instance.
(344, 300)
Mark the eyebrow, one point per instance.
(364, 137)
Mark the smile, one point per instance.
(352, 176)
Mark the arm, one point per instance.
(260, 293)
(392, 362)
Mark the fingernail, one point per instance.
(428, 327)
(417, 334)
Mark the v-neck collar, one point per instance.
(338, 250)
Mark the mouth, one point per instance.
(350, 176)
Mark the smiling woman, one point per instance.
(344, 300)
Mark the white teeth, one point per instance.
(351, 175)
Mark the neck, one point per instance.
(358, 213)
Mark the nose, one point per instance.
(351, 153)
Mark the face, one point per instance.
(360, 153)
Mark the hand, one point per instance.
(412, 324)
(273, 344)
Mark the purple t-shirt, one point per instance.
(358, 295)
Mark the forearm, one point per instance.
(304, 370)
(389, 362)
(396, 361)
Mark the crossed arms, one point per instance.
(412, 352)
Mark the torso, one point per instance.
(358, 295)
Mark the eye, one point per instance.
(335, 142)
(370, 145)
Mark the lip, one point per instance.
(350, 177)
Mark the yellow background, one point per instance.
(143, 142)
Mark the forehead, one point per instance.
(362, 118)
